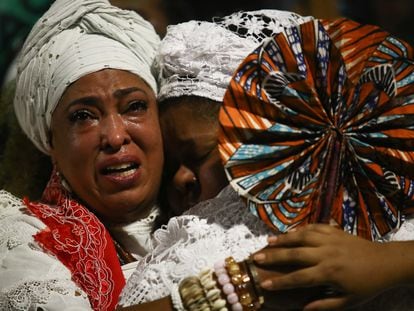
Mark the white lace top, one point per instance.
(211, 231)
(33, 280)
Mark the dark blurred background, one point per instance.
(396, 16)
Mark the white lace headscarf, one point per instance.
(199, 58)
(72, 39)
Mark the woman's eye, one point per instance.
(138, 106)
(80, 115)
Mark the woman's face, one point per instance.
(106, 142)
(193, 168)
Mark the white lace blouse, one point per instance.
(211, 231)
(31, 279)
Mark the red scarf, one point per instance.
(81, 242)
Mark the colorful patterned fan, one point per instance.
(318, 126)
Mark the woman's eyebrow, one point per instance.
(87, 100)
(122, 92)
(92, 100)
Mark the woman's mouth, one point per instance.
(121, 170)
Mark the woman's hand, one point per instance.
(354, 268)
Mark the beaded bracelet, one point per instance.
(242, 282)
(192, 294)
(176, 299)
(252, 270)
(227, 287)
(239, 282)
(247, 293)
(212, 292)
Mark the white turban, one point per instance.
(72, 39)
(199, 58)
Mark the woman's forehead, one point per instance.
(116, 82)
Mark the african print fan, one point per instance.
(318, 126)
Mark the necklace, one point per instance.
(124, 256)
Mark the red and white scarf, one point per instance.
(81, 242)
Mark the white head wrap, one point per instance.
(72, 39)
(199, 58)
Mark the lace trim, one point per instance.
(32, 293)
(199, 58)
(10, 235)
(8, 204)
(216, 229)
(261, 24)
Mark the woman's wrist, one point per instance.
(230, 285)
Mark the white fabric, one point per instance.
(194, 59)
(199, 58)
(72, 39)
(404, 233)
(31, 278)
(213, 230)
(207, 233)
(136, 238)
(261, 24)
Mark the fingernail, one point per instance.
(266, 284)
(260, 257)
(272, 239)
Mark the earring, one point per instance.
(63, 182)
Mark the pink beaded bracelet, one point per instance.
(228, 289)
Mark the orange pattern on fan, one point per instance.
(318, 126)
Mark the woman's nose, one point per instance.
(184, 180)
(114, 133)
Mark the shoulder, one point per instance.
(16, 221)
(9, 204)
(26, 271)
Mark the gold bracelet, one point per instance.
(242, 282)
(233, 269)
(252, 270)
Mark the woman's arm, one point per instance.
(163, 304)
